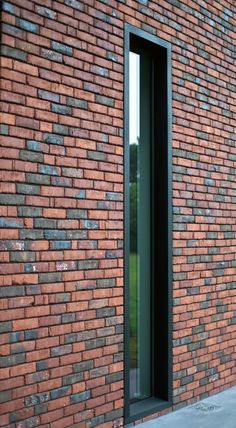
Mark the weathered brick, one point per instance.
(83, 366)
(75, 4)
(74, 102)
(82, 396)
(28, 189)
(31, 156)
(27, 25)
(4, 129)
(60, 47)
(107, 101)
(52, 55)
(48, 169)
(13, 53)
(53, 139)
(34, 145)
(6, 199)
(59, 392)
(60, 108)
(12, 360)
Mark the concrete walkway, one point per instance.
(218, 411)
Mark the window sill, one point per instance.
(145, 408)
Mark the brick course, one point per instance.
(62, 205)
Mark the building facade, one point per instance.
(118, 200)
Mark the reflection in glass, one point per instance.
(139, 258)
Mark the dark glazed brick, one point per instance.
(37, 399)
(114, 377)
(29, 212)
(61, 350)
(12, 360)
(60, 129)
(88, 264)
(74, 102)
(47, 95)
(37, 179)
(74, 378)
(96, 343)
(75, 4)
(68, 318)
(104, 283)
(13, 53)
(52, 55)
(82, 396)
(45, 11)
(91, 224)
(28, 189)
(31, 334)
(54, 234)
(31, 234)
(59, 392)
(96, 421)
(45, 223)
(6, 199)
(60, 47)
(48, 169)
(5, 396)
(76, 213)
(27, 25)
(10, 223)
(107, 101)
(12, 291)
(49, 277)
(61, 109)
(5, 326)
(4, 129)
(34, 145)
(105, 312)
(53, 139)
(7, 7)
(113, 415)
(61, 245)
(83, 366)
(31, 156)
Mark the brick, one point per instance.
(47, 95)
(48, 169)
(60, 47)
(77, 103)
(53, 139)
(52, 55)
(4, 129)
(28, 189)
(75, 4)
(59, 392)
(60, 109)
(34, 145)
(13, 53)
(12, 360)
(31, 156)
(49, 277)
(100, 99)
(12, 199)
(82, 396)
(83, 366)
(27, 25)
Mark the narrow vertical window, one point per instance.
(140, 232)
(147, 225)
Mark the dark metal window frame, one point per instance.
(162, 242)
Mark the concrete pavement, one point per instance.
(217, 411)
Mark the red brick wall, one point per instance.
(62, 212)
